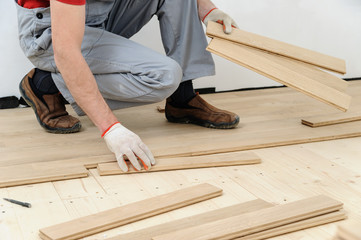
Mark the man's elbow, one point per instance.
(64, 55)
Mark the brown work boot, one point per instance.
(201, 113)
(51, 113)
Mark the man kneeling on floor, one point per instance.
(83, 54)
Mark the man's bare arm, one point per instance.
(68, 23)
(204, 6)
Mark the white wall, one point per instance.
(329, 26)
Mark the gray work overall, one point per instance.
(128, 74)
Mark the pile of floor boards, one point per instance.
(290, 65)
(256, 219)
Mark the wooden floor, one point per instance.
(287, 173)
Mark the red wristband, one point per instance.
(109, 128)
(208, 14)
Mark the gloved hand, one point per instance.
(219, 16)
(122, 141)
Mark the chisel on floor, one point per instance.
(24, 204)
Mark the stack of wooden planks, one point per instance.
(349, 231)
(290, 65)
(256, 219)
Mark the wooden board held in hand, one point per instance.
(116, 217)
(165, 164)
(331, 119)
(278, 47)
(245, 224)
(272, 67)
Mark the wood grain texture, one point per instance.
(112, 218)
(166, 164)
(278, 47)
(248, 223)
(39, 172)
(272, 67)
(297, 226)
(331, 119)
(148, 233)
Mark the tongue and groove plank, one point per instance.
(272, 67)
(331, 119)
(166, 164)
(39, 172)
(148, 233)
(297, 226)
(278, 47)
(264, 219)
(116, 217)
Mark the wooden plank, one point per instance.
(116, 217)
(148, 233)
(349, 231)
(248, 223)
(309, 71)
(278, 47)
(331, 119)
(165, 164)
(272, 67)
(39, 172)
(297, 226)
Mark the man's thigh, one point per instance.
(127, 17)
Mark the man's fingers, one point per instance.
(234, 24)
(148, 153)
(227, 25)
(133, 160)
(122, 164)
(142, 157)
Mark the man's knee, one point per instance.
(172, 78)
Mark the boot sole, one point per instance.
(203, 123)
(75, 128)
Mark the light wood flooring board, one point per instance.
(330, 119)
(49, 171)
(297, 226)
(112, 218)
(39, 172)
(278, 47)
(248, 223)
(166, 164)
(148, 233)
(272, 67)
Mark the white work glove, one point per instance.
(122, 141)
(221, 17)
